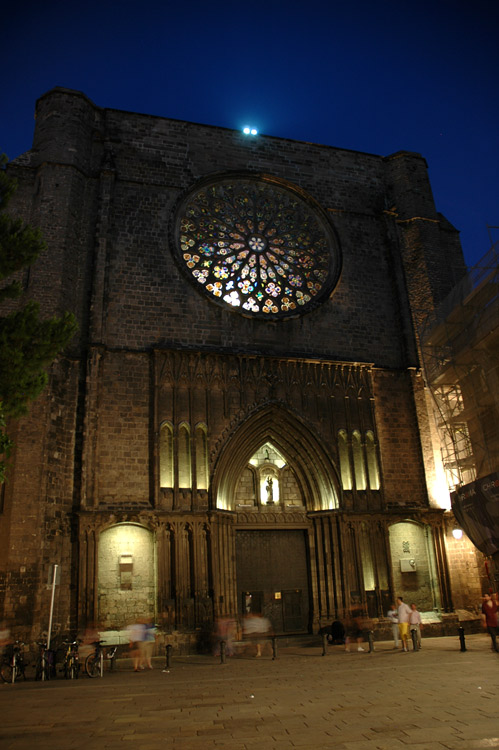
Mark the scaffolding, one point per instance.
(460, 358)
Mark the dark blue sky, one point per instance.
(375, 77)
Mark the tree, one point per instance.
(28, 343)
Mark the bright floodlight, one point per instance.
(254, 131)
(246, 130)
(457, 533)
(249, 131)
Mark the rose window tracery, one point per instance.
(257, 246)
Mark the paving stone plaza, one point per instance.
(438, 698)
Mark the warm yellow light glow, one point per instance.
(264, 491)
(439, 491)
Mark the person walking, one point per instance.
(415, 623)
(392, 615)
(403, 614)
(136, 633)
(489, 619)
(147, 644)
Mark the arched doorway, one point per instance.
(273, 474)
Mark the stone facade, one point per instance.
(142, 468)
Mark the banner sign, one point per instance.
(476, 507)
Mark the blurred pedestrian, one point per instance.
(415, 623)
(489, 619)
(403, 614)
(392, 615)
(89, 638)
(225, 630)
(355, 629)
(135, 633)
(146, 646)
(254, 627)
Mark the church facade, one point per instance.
(240, 424)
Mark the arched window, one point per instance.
(372, 461)
(345, 467)
(166, 455)
(201, 457)
(358, 461)
(184, 456)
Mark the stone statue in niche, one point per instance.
(270, 491)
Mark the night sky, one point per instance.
(374, 77)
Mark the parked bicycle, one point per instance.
(45, 663)
(94, 663)
(13, 665)
(71, 664)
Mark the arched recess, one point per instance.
(166, 474)
(415, 573)
(201, 443)
(126, 582)
(314, 471)
(184, 456)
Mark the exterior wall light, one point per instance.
(457, 533)
(250, 131)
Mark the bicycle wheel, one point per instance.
(6, 672)
(92, 665)
(42, 670)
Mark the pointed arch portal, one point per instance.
(314, 471)
(271, 452)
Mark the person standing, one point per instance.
(489, 619)
(392, 615)
(415, 623)
(403, 614)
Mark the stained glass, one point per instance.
(258, 246)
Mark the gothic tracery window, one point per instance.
(257, 245)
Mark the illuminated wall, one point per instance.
(126, 587)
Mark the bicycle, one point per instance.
(13, 666)
(45, 664)
(71, 666)
(94, 663)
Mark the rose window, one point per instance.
(258, 246)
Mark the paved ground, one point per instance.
(436, 699)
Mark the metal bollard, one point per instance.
(324, 644)
(222, 652)
(414, 636)
(461, 638)
(371, 641)
(169, 656)
(274, 648)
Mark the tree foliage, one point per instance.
(28, 343)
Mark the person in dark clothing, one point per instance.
(489, 619)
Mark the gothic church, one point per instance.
(241, 421)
